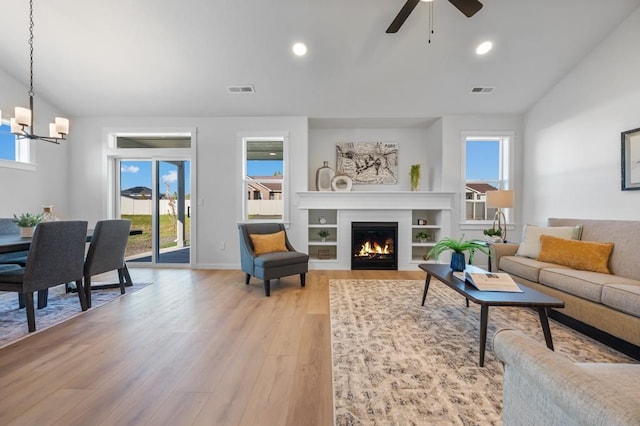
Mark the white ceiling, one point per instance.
(176, 58)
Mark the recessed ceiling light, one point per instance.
(272, 154)
(484, 48)
(299, 49)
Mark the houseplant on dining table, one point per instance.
(27, 222)
(459, 247)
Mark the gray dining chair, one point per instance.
(56, 256)
(268, 266)
(106, 253)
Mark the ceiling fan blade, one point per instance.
(402, 16)
(468, 7)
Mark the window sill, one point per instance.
(8, 164)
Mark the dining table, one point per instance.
(10, 243)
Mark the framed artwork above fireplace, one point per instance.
(368, 163)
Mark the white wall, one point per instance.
(28, 190)
(218, 168)
(414, 147)
(572, 135)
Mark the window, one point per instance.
(12, 149)
(264, 178)
(486, 168)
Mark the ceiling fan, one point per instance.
(468, 7)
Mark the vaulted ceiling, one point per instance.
(177, 58)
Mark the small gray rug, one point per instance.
(398, 363)
(61, 306)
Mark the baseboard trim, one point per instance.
(605, 338)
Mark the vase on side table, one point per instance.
(457, 262)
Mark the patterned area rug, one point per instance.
(61, 306)
(398, 363)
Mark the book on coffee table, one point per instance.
(492, 281)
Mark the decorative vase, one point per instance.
(323, 177)
(457, 262)
(341, 183)
(47, 214)
(26, 231)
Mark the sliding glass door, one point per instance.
(155, 195)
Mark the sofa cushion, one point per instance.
(585, 284)
(583, 255)
(530, 245)
(623, 297)
(523, 267)
(268, 243)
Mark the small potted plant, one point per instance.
(27, 222)
(422, 236)
(459, 247)
(494, 235)
(414, 174)
(323, 233)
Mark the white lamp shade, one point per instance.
(52, 131)
(23, 116)
(62, 126)
(500, 199)
(16, 129)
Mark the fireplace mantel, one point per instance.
(338, 209)
(374, 200)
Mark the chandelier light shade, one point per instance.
(500, 199)
(22, 123)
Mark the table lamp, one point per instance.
(500, 199)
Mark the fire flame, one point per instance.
(374, 248)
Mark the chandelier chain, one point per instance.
(31, 93)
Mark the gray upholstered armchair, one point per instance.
(280, 258)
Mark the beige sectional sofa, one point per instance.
(608, 302)
(542, 387)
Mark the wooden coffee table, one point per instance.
(529, 298)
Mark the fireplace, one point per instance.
(373, 245)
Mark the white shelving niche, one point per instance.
(319, 250)
(430, 222)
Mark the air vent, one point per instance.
(241, 89)
(479, 90)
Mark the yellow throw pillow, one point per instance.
(583, 255)
(268, 243)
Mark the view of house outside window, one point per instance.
(264, 179)
(486, 169)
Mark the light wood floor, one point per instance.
(196, 347)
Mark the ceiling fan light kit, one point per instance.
(467, 7)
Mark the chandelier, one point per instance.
(22, 123)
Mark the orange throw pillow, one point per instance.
(583, 255)
(268, 243)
